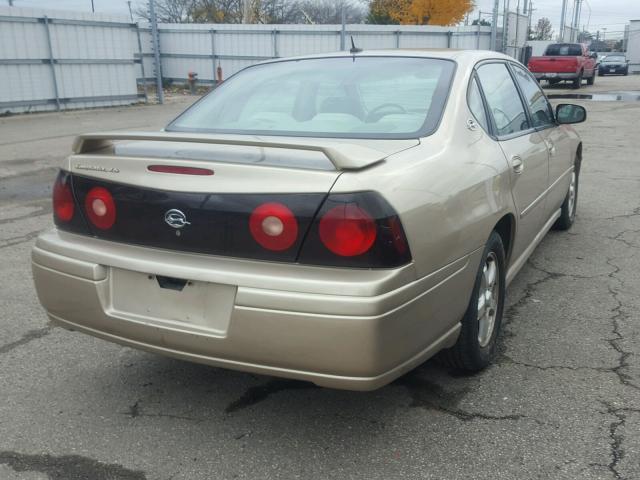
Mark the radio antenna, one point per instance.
(354, 49)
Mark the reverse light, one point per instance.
(63, 205)
(274, 226)
(100, 208)
(347, 230)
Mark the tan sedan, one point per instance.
(338, 219)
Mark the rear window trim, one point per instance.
(429, 127)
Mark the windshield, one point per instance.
(614, 59)
(564, 50)
(351, 97)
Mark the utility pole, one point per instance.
(130, 13)
(93, 7)
(494, 24)
(11, 3)
(576, 20)
(563, 20)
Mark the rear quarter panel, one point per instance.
(450, 191)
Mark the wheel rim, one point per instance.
(488, 298)
(572, 195)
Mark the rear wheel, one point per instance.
(577, 83)
(476, 345)
(570, 204)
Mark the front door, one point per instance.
(556, 139)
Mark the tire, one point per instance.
(570, 204)
(476, 345)
(577, 83)
(592, 79)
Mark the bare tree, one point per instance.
(330, 11)
(257, 11)
(169, 11)
(543, 30)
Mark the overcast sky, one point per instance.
(609, 14)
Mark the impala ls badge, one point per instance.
(176, 219)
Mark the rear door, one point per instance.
(556, 139)
(523, 147)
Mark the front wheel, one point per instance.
(570, 204)
(476, 345)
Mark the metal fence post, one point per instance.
(212, 33)
(51, 62)
(449, 37)
(155, 42)
(343, 28)
(274, 34)
(144, 77)
(397, 32)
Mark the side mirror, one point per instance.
(594, 56)
(567, 113)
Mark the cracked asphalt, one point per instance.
(562, 400)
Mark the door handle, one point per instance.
(517, 164)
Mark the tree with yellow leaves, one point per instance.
(419, 12)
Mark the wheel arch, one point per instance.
(506, 228)
(578, 160)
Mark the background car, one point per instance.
(614, 63)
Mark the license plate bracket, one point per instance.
(172, 302)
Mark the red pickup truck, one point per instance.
(565, 62)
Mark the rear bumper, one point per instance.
(349, 329)
(555, 76)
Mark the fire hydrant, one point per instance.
(192, 79)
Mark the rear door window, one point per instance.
(505, 106)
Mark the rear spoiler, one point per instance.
(343, 155)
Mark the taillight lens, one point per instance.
(63, 206)
(100, 208)
(356, 230)
(274, 226)
(347, 230)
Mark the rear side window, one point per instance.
(476, 106)
(541, 112)
(564, 50)
(503, 99)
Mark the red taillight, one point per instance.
(179, 170)
(273, 226)
(63, 206)
(100, 208)
(347, 230)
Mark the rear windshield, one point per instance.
(350, 97)
(564, 50)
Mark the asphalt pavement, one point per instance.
(561, 402)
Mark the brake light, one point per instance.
(63, 205)
(356, 229)
(179, 170)
(347, 230)
(100, 208)
(274, 226)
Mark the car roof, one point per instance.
(459, 56)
